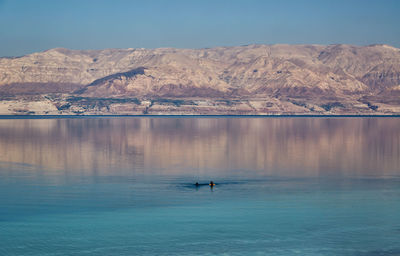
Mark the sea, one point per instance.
(126, 186)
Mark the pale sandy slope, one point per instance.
(265, 78)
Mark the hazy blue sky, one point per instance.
(34, 25)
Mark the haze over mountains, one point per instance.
(254, 79)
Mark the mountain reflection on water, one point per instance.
(203, 146)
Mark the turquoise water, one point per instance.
(124, 186)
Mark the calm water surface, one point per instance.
(124, 186)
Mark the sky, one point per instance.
(28, 26)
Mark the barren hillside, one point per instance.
(254, 79)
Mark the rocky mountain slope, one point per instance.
(254, 79)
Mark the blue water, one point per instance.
(121, 186)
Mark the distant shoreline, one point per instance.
(4, 117)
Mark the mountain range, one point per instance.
(244, 80)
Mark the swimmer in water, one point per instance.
(211, 184)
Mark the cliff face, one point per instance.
(255, 79)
